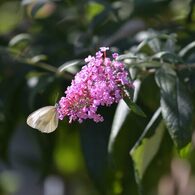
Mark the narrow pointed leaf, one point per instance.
(130, 101)
(134, 107)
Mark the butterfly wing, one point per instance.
(44, 119)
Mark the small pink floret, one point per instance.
(115, 55)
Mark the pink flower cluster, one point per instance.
(99, 83)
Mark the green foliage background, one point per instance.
(43, 44)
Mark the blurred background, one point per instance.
(38, 38)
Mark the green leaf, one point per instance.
(155, 44)
(167, 56)
(176, 106)
(70, 66)
(151, 126)
(147, 64)
(93, 9)
(186, 151)
(20, 41)
(134, 107)
(146, 147)
(129, 92)
(150, 45)
(130, 97)
(121, 113)
(159, 165)
(186, 50)
(144, 47)
(127, 56)
(38, 58)
(170, 44)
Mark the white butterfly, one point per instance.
(44, 119)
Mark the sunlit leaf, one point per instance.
(146, 147)
(93, 9)
(38, 58)
(186, 151)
